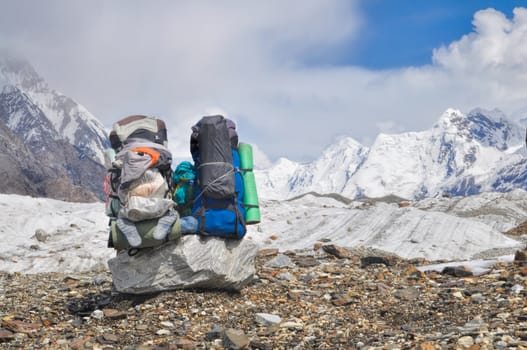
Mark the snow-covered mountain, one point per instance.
(63, 142)
(328, 174)
(69, 119)
(460, 155)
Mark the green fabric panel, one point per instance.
(146, 230)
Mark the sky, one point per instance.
(294, 75)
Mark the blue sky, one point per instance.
(295, 75)
(404, 32)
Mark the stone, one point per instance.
(110, 337)
(280, 261)
(517, 289)
(477, 298)
(99, 280)
(457, 271)
(268, 320)
(255, 344)
(465, 342)
(342, 300)
(370, 260)
(41, 235)
(98, 314)
(268, 252)
(216, 332)
(18, 326)
(293, 325)
(410, 293)
(520, 255)
(284, 276)
(6, 335)
(235, 339)
(306, 262)
(185, 344)
(113, 314)
(337, 251)
(473, 326)
(193, 262)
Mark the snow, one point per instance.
(460, 154)
(75, 235)
(72, 237)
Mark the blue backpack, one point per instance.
(218, 202)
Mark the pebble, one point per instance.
(268, 320)
(368, 301)
(98, 314)
(280, 261)
(337, 251)
(235, 339)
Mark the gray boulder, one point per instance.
(192, 262)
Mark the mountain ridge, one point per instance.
(59, 150)
(461, 154)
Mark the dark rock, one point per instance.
(370, 260)
(520, 255)
(457, 271)
(216, 332)
(6, 335)
(306, 262)
(85, 306)
(339, 252)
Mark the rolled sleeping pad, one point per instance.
(146, 230)
(246, 156)
(250, 194)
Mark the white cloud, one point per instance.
(497, 43)
(181, 59)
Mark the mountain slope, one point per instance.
(330, 173)
(59, 144)
(460, 155)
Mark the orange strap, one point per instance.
(152, 153)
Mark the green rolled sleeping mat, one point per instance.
(250, 195)
(146, 230)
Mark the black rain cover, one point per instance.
(216, 172)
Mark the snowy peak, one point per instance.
(328, 174)
(70, 120)
(19, 72)
(488, 128)
(461, 155)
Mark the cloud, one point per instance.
(262, 63)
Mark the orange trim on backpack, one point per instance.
(152, 153)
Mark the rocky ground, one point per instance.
(329, 298)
